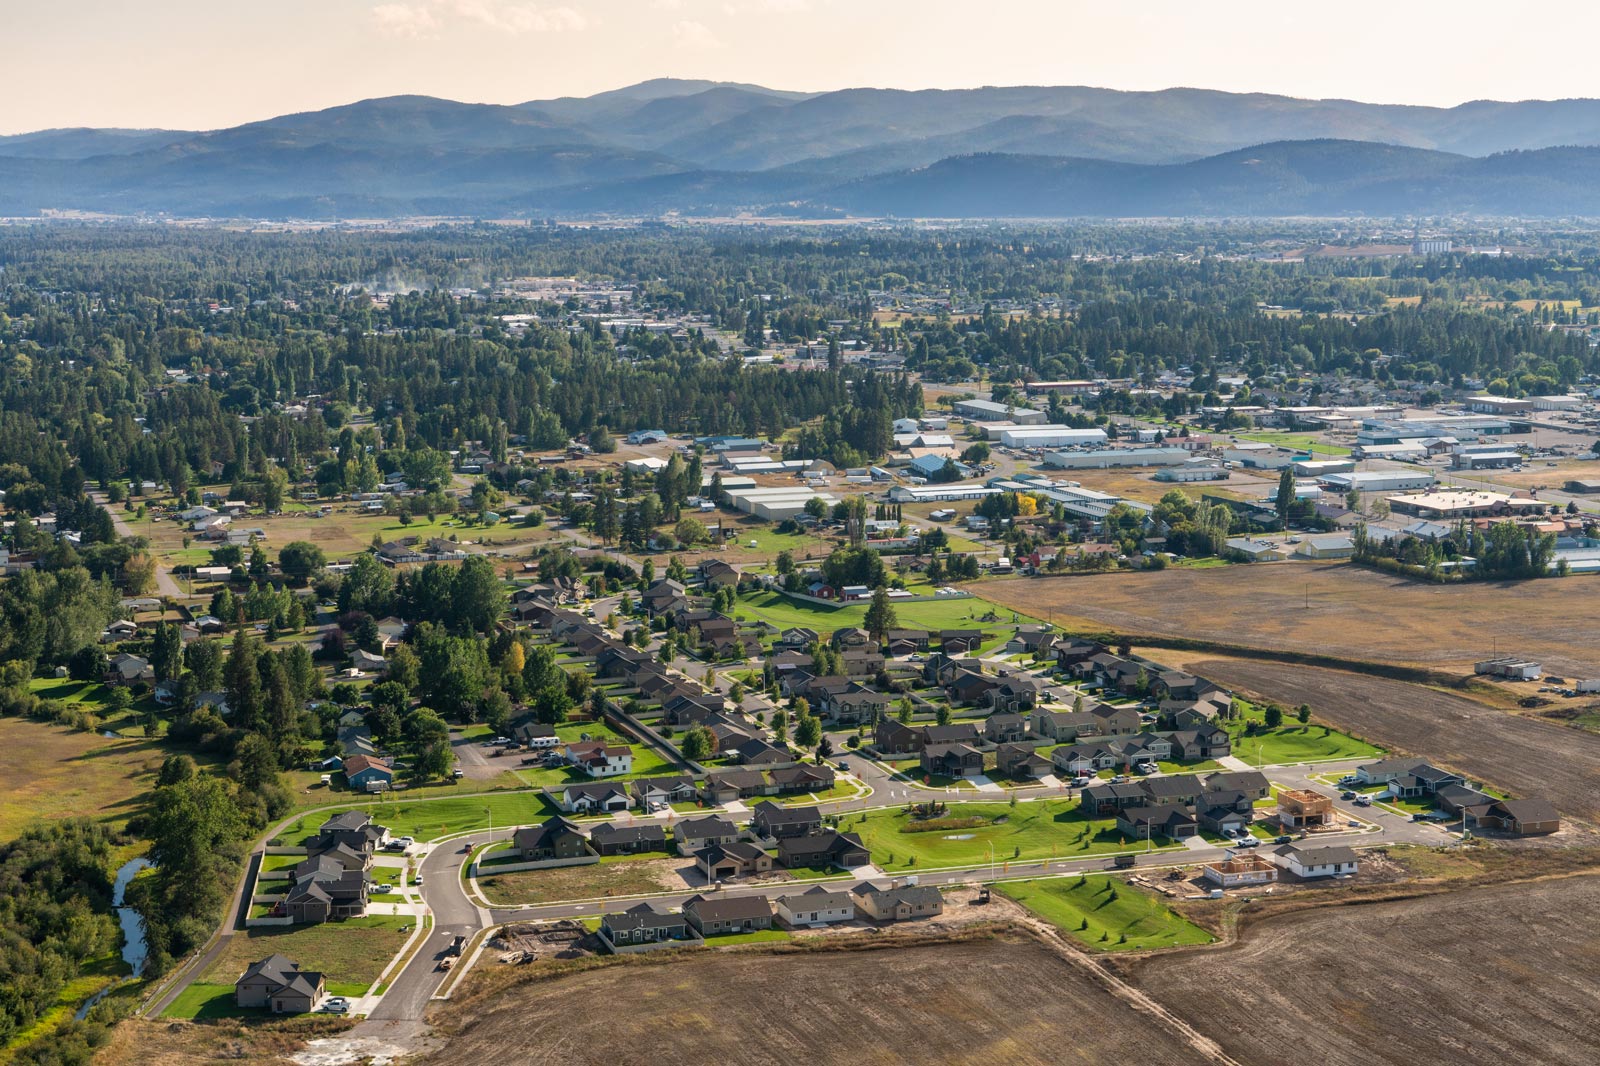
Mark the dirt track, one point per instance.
(1490, 976)
(1525, 756)
(1007, 1002)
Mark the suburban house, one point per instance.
(897, 904)
(1251, 782)
(1529, 817)
(366, 773)
(326, 890)
(1316, 860)
(354, 829)
(1204, 742)
(952, 760)
(1005, 728)
(1020, 760)
(649, 791)
(1171, 820)
(643, 924)
(557, 838)
(775, 822)
(587, 797)
(1110, 797)
(821, 849)
(126, 669)
(599, 758)
(718, 915)
(815, 906)
(735, 859)
(787, 780)
(279, 985)
(611, 839)
(1386, 770)
(1423, 780)
(694, 834)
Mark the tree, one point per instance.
(780, 724)
(299, 560)
(478, 599)
(432, 761)
(881, 616)
(274, 483)
(139, 574)
(166, 651)
(175, 770)
(1303, 715)
(808, 731)
(698, 743)
(1273, 716)
(1286, 497)
(942, 714)
(691, 531)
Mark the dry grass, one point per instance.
(1354, 613)
(1486, 975)
(268, 1042)
(634, 877)
(983, 1000)
(48, 772)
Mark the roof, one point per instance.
(1318, 854)
(355, 764)
(908, 894)
(728, 908)
(710, 825)
(642, 916)
(1529, 810)
(818, 898)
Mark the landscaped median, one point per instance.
(973, 834)
(1104, 913)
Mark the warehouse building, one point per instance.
(777, 504)
(1442, 506)
(1379, 481)
(1106, 458)
(1051, 437)
(989, 411)
(940, 493)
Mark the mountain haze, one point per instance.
(699, 147)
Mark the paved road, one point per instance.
(232, 922)
(166, 585)
(453, 914)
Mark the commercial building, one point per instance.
(1192, 473)
(1106, 458)
(777, 504)
(1378, 481)
(1315, 468)
(1051, 437)
(1452, 505)
(989, 411)
(940, 493)
(1495, 460)
(1400, 430)
(1065, 388)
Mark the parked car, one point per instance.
(1249, 842)
(337, 1005)
(1282, 839)
(1363, 801)
(1347, 795)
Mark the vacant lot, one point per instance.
(1028, 832)
(1525, 756)
(1354, 613)
(349, 954)
(994, 1001)
(630, 878)
(958, 612)
(426, 819)
(1492, 975)
(162, 1042)
(1106, 913)
(49, 772)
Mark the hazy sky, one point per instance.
(202, 64)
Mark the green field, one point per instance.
(760, 936)
(1030, 832)
(427, 819)
(1301, 441)
(350, 954)
(956, 613)
(1104, 914)
(1299, 743)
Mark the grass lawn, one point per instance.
(959, 612)
(270, 863)
(203, 1002)
(1301, 743)
(760, 936)
(1302, 441)
(49, 772)
(647, 762)
(426, 819)
(1031, 832)
(349, 954)
(309, 791)
(635, 877)
(1104, 914)
(1202, 766)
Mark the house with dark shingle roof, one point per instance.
(609, 839)
(644, 924)
(897, 904)
(719, 915)
(277, 984)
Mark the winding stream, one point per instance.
(134, 948)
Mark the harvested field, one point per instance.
(1525, 756)
(1354, 613)
(1488, 975)
(935, 1003)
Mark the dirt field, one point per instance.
(166, 1043)
(1492, 975)
(1525, 756)
(49, 772)
(1010, 1002)
(1354, 613)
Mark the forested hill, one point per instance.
(710, 148)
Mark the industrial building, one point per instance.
(989, 411)
(940, 493)
(777, 504)
(1400, 430)
(1106, 458)
(1452, 505)
(1493, 460)
(1379, 481)
(1509, 666)
(1192, 472)
(1051, 437)
(1315, 468)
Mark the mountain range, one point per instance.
(711, 148)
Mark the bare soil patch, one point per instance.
(1486, 975)
(1525, 756)
(167, 1043)
(997, 1000)
(1354, 613)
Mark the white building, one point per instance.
(1042, 437)
(815, 906)
(1378, 481)
(989, 411)
(1316, 860)
(1106, 458)
(777, 504)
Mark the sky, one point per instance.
(207, 64)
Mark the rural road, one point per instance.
(165, 584)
